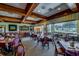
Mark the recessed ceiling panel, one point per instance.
(33, 19)
(18, 5)
(71, 5)
(43, 8)
(48, 9)
(4, 13)
(58, 9)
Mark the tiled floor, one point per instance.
(32, 49)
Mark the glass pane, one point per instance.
(70, 27)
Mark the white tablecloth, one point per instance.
(2, 38)
(67, 46)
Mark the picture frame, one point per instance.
(12, 27)
(24, 28)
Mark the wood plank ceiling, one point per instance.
(22, 14)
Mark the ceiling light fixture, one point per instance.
(59, 8)
(43, 7)
(39, 11)
(50, 9)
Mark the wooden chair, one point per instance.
(20, 50)
(7, 52)
(58, 49)
(1, 54)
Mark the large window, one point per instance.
(49, 28)
(70, 27)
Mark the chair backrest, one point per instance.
(55, 47)
(15, 42)
(2, 44)
(20, 50)
(60, 48)
(0, 36)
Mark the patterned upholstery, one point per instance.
(20, 50)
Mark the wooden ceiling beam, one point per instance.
(38, 15)
(26, 9)
(24, 13)
(77, 5)
(8, 8)
(30, 21)
(60, 14)
(65, 12)
(29, 10)
(11, 19)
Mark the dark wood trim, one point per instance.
(29, 10)
(8, 8)
(11, 19)
(30, 21)
(38, 15)
(61, 14)
(39, 21)
(28, 5)
(77, 4)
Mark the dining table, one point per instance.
(2, 41)
(1, 38)
(70, 51)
